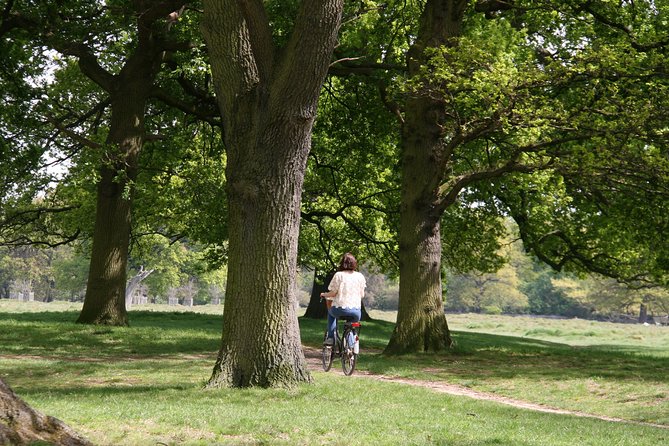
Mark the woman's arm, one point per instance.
(329, 295)
(333, 287)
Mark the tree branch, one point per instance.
(301, 72)
(74, 135)
(88, 62)
(151, 11)
(16, 222)
(212, 116)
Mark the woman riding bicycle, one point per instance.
(346, 290)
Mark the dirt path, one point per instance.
(313, 356)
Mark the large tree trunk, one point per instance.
(261, 339)
(22, 425)
(105, 292)
(268, 99)
(421, 322)
(130, 89)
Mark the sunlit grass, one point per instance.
(144, 384)
(146, 402)
(614, 375)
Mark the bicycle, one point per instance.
(346, 346)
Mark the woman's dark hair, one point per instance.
(348, 263)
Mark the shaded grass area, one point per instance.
(144, 385)
(151, 333)
(630, 338)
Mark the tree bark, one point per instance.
(268, 98)
(105, 293)
(22, 425)
(104, 302)
(421, 322)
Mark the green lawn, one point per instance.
(143, 385)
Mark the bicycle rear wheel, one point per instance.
(328, 356)
(348, 357)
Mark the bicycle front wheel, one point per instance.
(348, 357)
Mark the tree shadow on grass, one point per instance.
(516, 355)
(65, 377)
(374, 334)
(102, 391)
(152, 334)
(162, 319)
(55, 333)
(499, 356)
(486, 356)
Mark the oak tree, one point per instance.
(267, 86)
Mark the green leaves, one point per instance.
(351, 187)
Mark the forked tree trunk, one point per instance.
(421, 322)
(268, 99)
(133, 284)
(22, 425)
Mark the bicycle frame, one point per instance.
(343, 347)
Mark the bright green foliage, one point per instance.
(180, 191)
(350, 191)
(69, 115)
(178, 268)
(471, 235)
(23, 178)
(574, 105)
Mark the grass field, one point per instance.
(143, 385)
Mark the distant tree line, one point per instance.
(178, 271)
(524, 285)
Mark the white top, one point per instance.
(350, 287)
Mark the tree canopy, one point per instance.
(437, 121)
